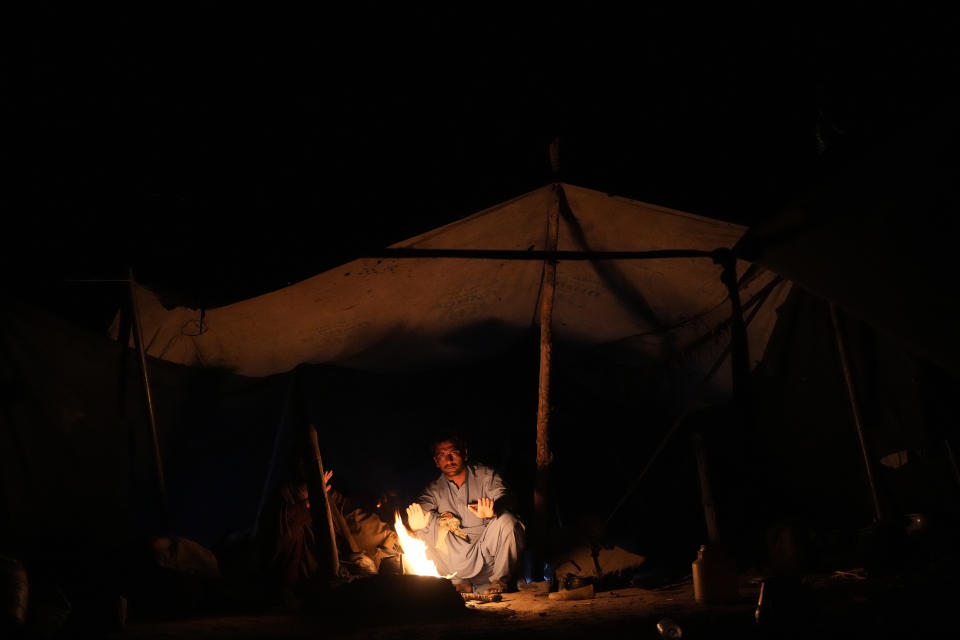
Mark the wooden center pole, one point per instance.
(541, 492)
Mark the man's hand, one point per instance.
(483, 508)
(326, 480)
(416, 517)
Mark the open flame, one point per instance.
(415, 560)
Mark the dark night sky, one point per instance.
(224, 152)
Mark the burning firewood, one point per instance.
(482, 597)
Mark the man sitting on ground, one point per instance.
(463, 518)
(363, 540)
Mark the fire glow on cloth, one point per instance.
(415, 560)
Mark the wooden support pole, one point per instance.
(148, 398)
(323, 510)
(124, 335)
(748, 487)
(855, 409)
(739, 347)
(532, 254)
(541, 492)
(688, 407)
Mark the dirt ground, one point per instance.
(630, 612)
(842, 604)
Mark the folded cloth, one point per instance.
(449, 523)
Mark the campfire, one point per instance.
(415, 560)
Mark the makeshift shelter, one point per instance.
(408, 313)
(640, 309)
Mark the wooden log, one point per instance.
(481, 597)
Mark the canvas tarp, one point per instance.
(396, 314)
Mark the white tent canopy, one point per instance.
(404, 313)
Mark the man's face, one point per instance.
(450, 460)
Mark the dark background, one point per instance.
(224, 152)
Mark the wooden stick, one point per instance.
(855, 409)
(148, 398)
(321, 492)
(340, 522)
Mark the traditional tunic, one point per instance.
(493, 545)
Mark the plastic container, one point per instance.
(714, 577)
